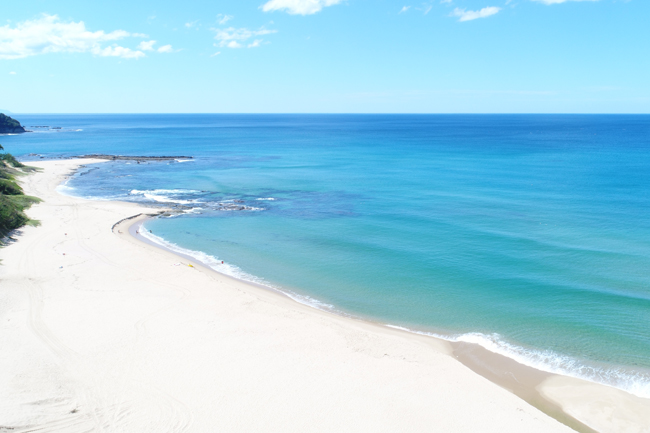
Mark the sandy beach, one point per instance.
(103, 332)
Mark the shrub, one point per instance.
(9, 158)
(8, 187)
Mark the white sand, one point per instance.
(602, 408)
(121, 340)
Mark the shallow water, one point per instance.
(528, 234)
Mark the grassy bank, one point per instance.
(13, 201)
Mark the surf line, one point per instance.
(519, 379)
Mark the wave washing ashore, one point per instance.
(627, 379)
(103, 332)
(525, 234)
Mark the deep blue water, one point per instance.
(529, 234)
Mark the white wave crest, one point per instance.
(266, 199)
(64, 189)
(634, 382)
(165, 199)
(164, 191)
(232, 270)
(163, 195)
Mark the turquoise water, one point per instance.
(527, 234)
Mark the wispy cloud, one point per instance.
(404, 9)
(223, 19)
(146, 45)
(425, 8)
(465, 15)
(117, 51)
(191, 24)
(238, 38)
(12, 73)
(298, 7)
(48, 34)
(554, 2)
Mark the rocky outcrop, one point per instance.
(9, 125)
(134, 158)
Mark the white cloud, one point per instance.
(223, 19)
(117, 51)
(554, 2)
(404, 9)
(12, 73)
(298, 7)
(216, 54)
(48, 34)
(166, 49)
(425, 8)
(146, 45)
(235, 38)
(465, 15)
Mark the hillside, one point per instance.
(13, 201)
(9, 125)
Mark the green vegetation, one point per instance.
(9, 158)
(9, 125)
(13, 201)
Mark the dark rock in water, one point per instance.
(134, 158)
(9, 125)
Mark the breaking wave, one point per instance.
(233, 271)
(634, 382)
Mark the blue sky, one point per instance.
(449, 56)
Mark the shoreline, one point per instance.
(519, 379)
(461, 346)
(530, 384)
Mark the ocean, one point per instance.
(527, 234)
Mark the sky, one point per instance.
(325, 56)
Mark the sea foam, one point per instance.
(634, 382)
(164, 195)
(233, 271)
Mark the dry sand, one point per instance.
(121, 340)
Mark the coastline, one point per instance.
(536, 387)
(384, 367)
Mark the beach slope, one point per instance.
(102, 332)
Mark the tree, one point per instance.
(1, 148)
